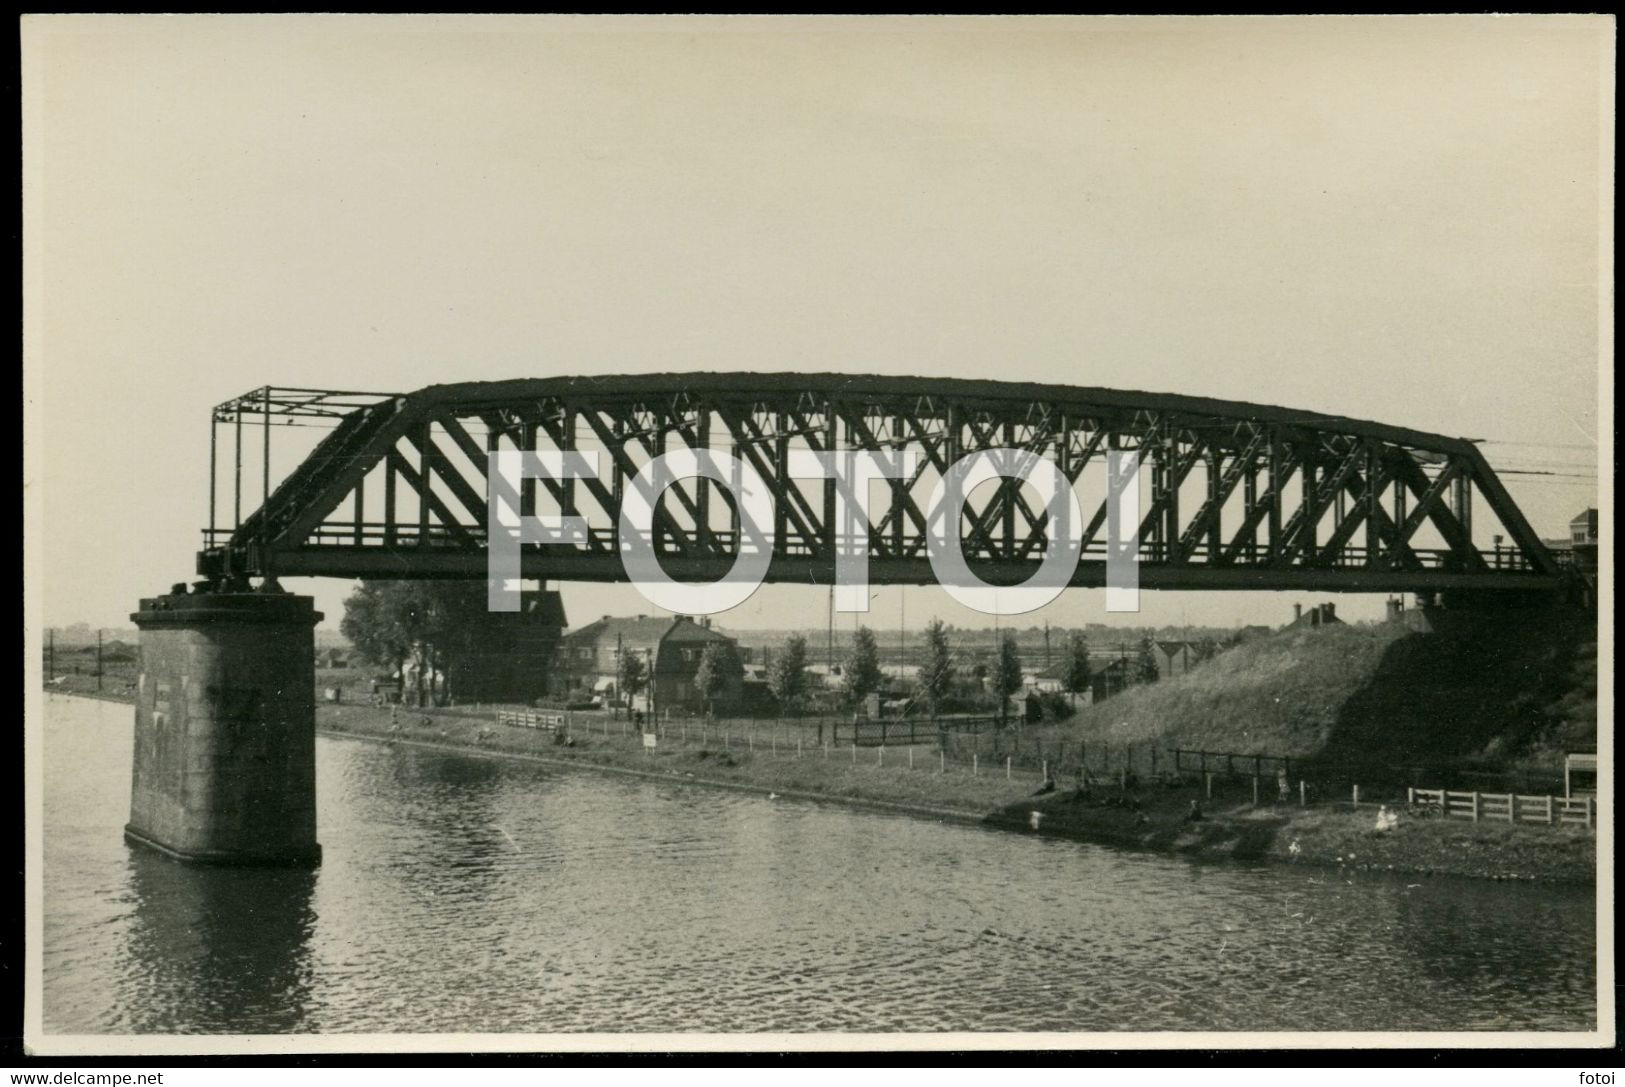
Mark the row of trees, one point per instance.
(940, 674)
(431, 626)
(428, 629)
(862, 674)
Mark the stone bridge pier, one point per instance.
(225, 728)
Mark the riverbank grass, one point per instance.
(1156, 818)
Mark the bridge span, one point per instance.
(1242, 496)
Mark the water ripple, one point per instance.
(462, 894)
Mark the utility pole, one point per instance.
(237, 485)
(50, 654)
(654, 710)
(902, 637)
(620, 673)
(98, 659)
(831, 643)
(1046, 644)
(265, 454)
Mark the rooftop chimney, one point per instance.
(1328, 612)
(1297, 612)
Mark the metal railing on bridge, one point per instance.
(398, 487)
(606, 541)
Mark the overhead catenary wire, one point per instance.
(1542, 445)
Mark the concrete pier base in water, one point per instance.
(225, 729)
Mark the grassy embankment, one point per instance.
(1510, 694)
(115, 687)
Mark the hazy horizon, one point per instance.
(1391, 218)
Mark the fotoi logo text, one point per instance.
(853, 472)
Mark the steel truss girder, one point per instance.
(1348, 468)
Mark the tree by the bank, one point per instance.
(863, 676)
(1145, 661)
(377, 625)
(787, 675)
(1007, 678)
(458, 627)
(1206, 649)
(433, 626)
(937, 677)
(720, 667)
(631, 675)
(1078, 676)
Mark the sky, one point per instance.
(1389, 218)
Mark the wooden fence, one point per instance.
(881, 731)
(979, 743)
(1230, 763)
(1033, 749)
(531, 719)
(1507, 807)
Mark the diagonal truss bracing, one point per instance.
(1238, 495)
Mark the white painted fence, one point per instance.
(1508, 807)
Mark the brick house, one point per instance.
(588, 661)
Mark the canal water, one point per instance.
(467, 894)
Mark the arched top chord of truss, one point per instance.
(1243, 495)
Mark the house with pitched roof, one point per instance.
(588, 661)
(1318, 615)
(1579, 548)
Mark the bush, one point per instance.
(1056, 707)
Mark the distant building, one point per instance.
(901, 677)
(1044, 680)
(1318, 615)
(332, 658)
(824, 676)
(1578, 552)
(1584, 529)
(1106, 680)
(1581, 541)
(1585, 534)
(505, 663)
(1177, 658)
(756, 691)
(588, 661)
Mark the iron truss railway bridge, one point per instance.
(1242, 496)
